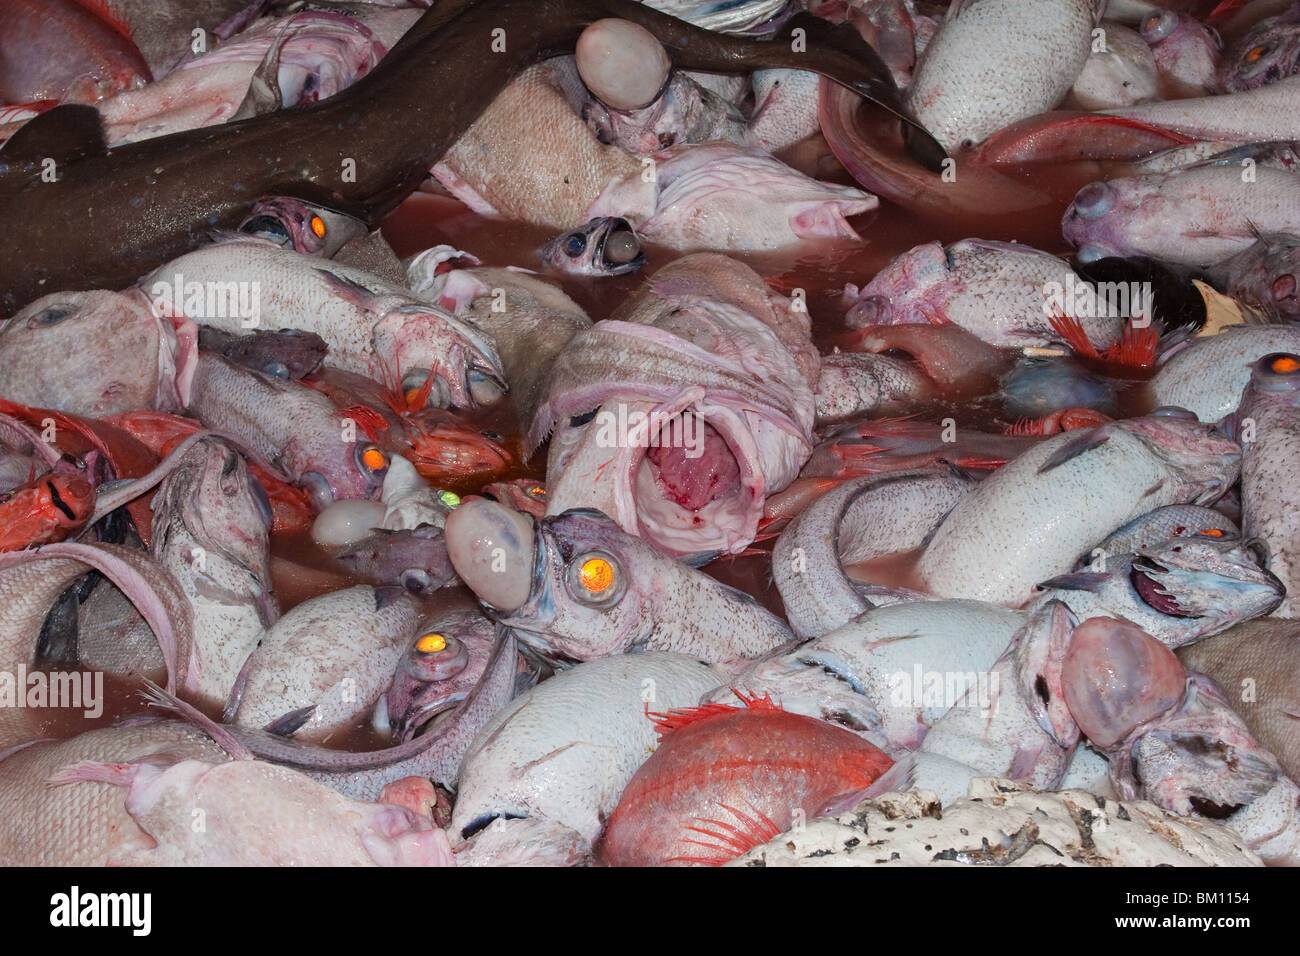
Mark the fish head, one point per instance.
(1211, 576)
(414, 558)
(1040, 649)
(1199, 757)
(898, 292)
(1268, 52)
(607, 246)
(1115, 677)
(304, 227)
(1103, 221)
(435, 359)
(96, 353)
(1204, 461)
(1275, 380)
(441, 666)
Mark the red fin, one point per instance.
(1136, 348)
(729, 840)
(371, 422)
(1071, 331)
(986, 463)
(685, 716)
(105, 11)
(1225, 9)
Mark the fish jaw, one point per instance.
(910, 290)
(427, 337)
(1204, 462)
(1039, 661)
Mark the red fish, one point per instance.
(44, 510)
(726, 779)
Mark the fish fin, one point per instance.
(286, 725)
(157, 697)
(1070, 329)
(1075, 447)
(388, 594)
(370, 421)
(676, 719)
(1135, 349)
(348, 289)
(1077, 581)
(93, 771)
(64, 134)
(727, 839)
(700, 558)
(264, 94)
(982, 463)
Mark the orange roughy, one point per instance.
(726, 779)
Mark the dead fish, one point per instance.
(414, 558)
(1209, 374)
(603, 247)
(726, 779)
(285, 354)
(1122, 73)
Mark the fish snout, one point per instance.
(869, 310)
(492, 549)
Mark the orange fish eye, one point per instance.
(596, 575)
(1256, 53)
(1285, 365)
(537, 491)
(318, 226)
(1211, 533)
(431, 643)
(374, 459)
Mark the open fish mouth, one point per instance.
(423, 720)
(1152, 591)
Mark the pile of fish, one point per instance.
(679, 432)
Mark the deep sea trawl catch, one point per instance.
(632, 433)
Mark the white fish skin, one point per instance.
(871, 674)
(1207, 377)
(1122, 74)
(372, 327)
(785, 109)
(1264, 115)
(337, 651)
(726, 197)
(1024, 524)
(565, 750)
(994, 62)
(257, 814)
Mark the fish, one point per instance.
(1264, 54)
(884, 673)
(1198, 216)
(785, 109)
(855, 384)
(1250, 116)
(863, 518)
(565, 750)
(43, 351)
(46, 509)
(369, 326)
(1208, 375)
(1254, 664)
(413, 558)
(685, 112)
(726, 779)
(899, 444)
(1187, 53)
(1003, 293)
(1178, 591)
(1033, 516)
(603, 247)
(332, 656)
(997, 61)
(1039, 385)
(1264, 276)
(211, 532)
(749, 17)
(260, 815)
(402, 128)
(955, 360)
(1172, 738)
(75, 52)
(83, 825)
(1269, 411)
(293, 426)
(1159, 526)
(681, 412)
(575, 586)
(1121, 73)
(754, 201)
(285, 354)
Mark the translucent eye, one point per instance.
(1256, 53)
(1285, 364)
(449, 498)
(374, 459)
(537, 491)
(1211, 533)
(431, 643)
(575, 245)
(596, 575)
(318, 226)
(596, 578)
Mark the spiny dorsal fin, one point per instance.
(64, 134)
(676, 719)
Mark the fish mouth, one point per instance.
(418, 722)
(1152, 592)
(267, 227)
(611, 258)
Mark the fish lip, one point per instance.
(1144, 569)
(413, 723)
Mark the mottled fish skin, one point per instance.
(565, 750)
(1262, 115)
(657, 603)
(858, 384)
(211, 533)
(1256, 664)
(997, 61)
(862, 519)
(1208, 376)
(1270, 409)
(336, 652)
(1123, 73)
(870, 675)
(1198, 216)
(998, 291)
(1266, 53)
(1034, 516)
(1159, 526)
(1266, 276)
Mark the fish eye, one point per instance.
(1257, 52)
(416, 580)
(536, 491)
(449, 498)
(372, 461)
(318, 227)
(1210, 533)
(575, 245)
(432, 643)
(621, 246)
(50, 316)
(1158, 26)
(595, 578)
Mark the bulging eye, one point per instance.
(575, 245)
(1158, 26)
(437, 656)
(1279, 371)
(318, 227)
(51, 316)
(1210, 533)
(596, 578)
(372, 461)
(432, 643)
(536, 492)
